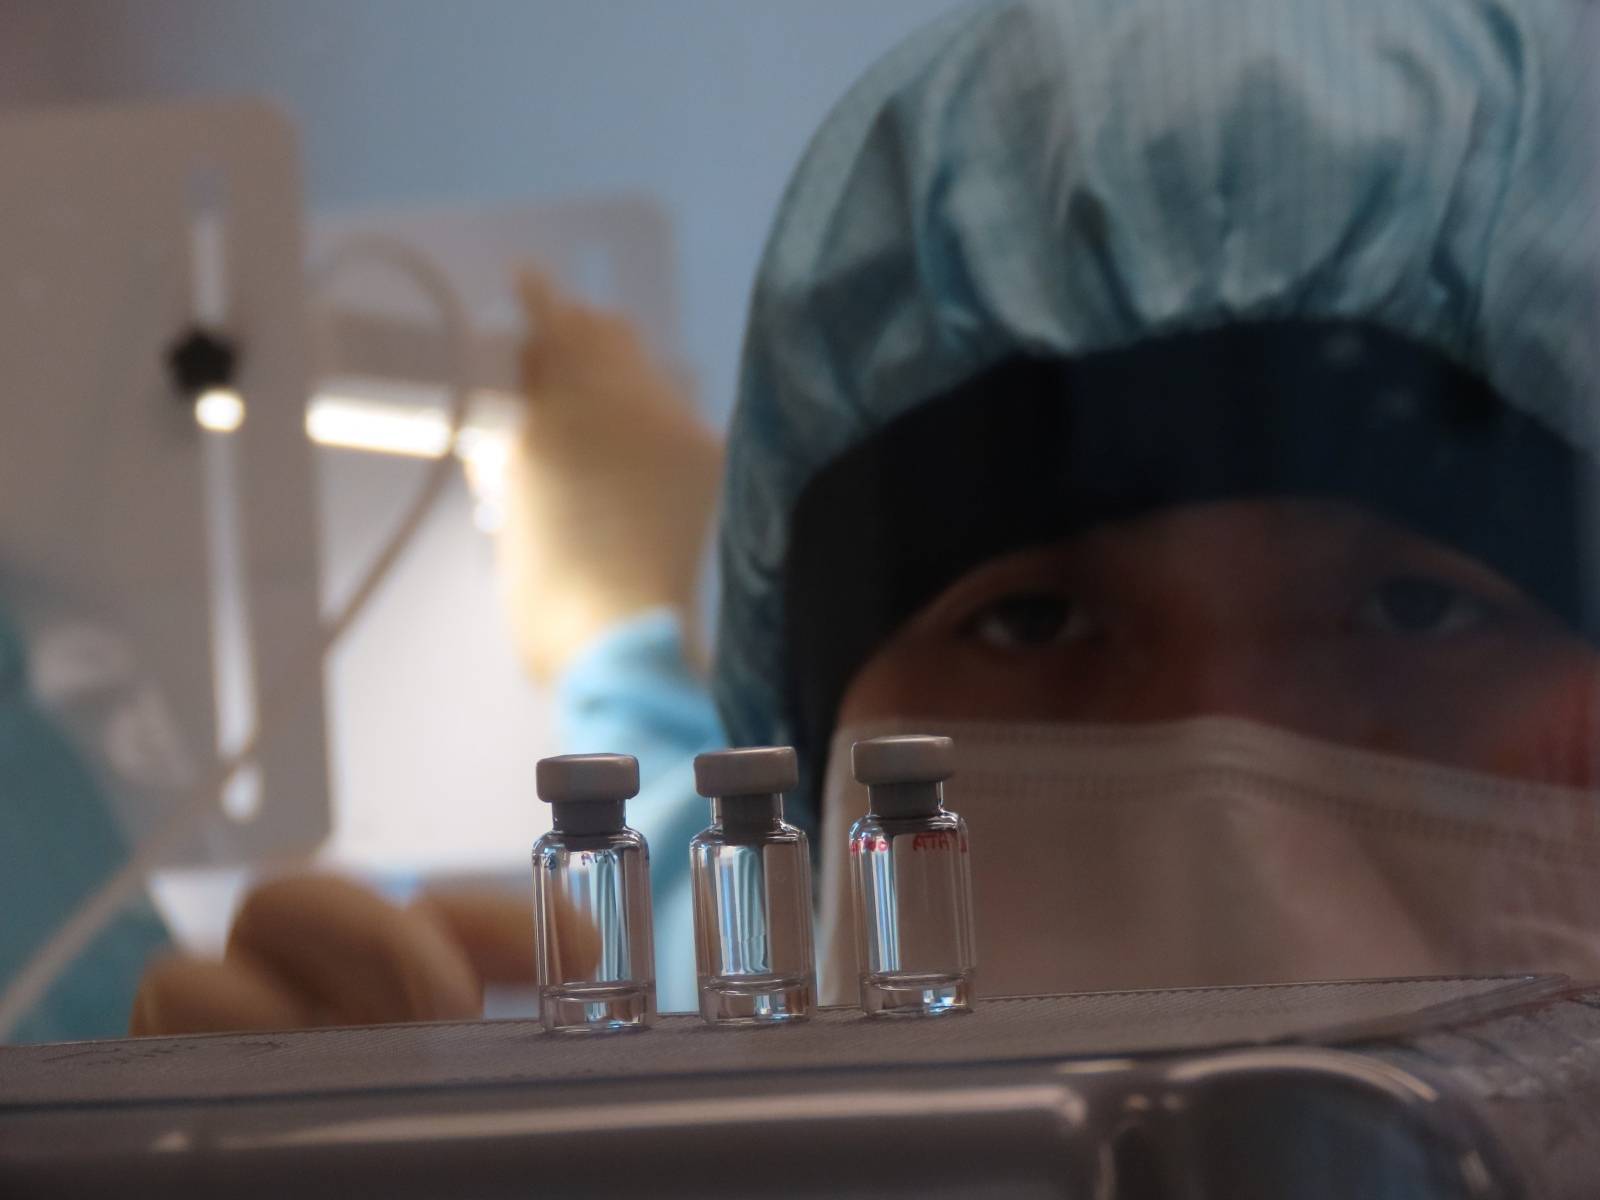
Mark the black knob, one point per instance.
(201, 359)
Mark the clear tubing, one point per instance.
(595, 947)
(912, 885)
(99, 908)
(751, 877)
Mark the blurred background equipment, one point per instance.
(480, 136)
(137, 540)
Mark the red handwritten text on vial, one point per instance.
(935, 841)
(869, 844)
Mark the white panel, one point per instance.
(103, 481)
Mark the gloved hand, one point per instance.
(611, 489)
(317, 950)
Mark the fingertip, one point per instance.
(184, 995)
(358, 955)
(141, 1017)
(493, 928)
(145, 1017)
(537, 292)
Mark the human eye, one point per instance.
(1422, 607)
(1029, 620)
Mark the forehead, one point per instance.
(1285, 533)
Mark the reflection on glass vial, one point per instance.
(751, 877)
(912, 882)
(591, 889)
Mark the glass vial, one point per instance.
(751, 877)
(912, 882)
(591, 897)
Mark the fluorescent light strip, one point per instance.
(357, 425)
(356, 422)
(484, 447)
(412, 431)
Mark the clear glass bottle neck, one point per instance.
(752, 814)
(589, 817)
(899, 801)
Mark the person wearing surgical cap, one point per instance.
(1189, 406)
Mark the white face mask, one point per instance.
(1220, 851)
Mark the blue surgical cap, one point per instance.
(1061, 177)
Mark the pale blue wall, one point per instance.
(705, 104)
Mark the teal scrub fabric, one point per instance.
(58, 841)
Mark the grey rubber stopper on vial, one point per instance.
(903, 773)
(747, 771)
(587, 791)
(747, 783)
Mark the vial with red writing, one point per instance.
(911, 881)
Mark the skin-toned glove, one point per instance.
(317, 950)
(611, 489)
